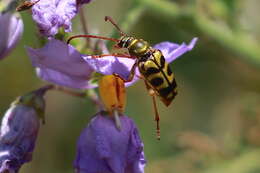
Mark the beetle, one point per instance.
(26, 5)
(154, 70)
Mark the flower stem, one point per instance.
(94, 98)
(129, 20)
(45, 88)
(90, 93)
(84, 24)
(238, 42)
(69, 92)
(163, 7)
(245, 162)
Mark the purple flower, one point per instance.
(50, 15)
(19, 130)
(103, 148)
(11, 29)
(122, 66)
(61, 64)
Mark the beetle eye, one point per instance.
(139, 45)
(120, 44)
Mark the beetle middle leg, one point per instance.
(157, 116)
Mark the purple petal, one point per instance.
(11, 29)
(63, 80)
(19, 131)
(137, 166)
(112, 65)
(62, 64)
(172, 51)
(103, 148)
(109, 65)
(50, 15)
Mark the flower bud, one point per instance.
(11, 29)
(19, 129)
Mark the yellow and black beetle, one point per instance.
(151, 63)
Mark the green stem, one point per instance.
(237, 42)
(83, 21)
(91, 93)
(69, 92)
(162, 7)
(244, 163)
(129, 20)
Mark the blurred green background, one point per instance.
(212, 126)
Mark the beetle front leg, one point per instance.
(113, 54)
(131, 75)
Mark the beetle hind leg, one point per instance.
(157, 118)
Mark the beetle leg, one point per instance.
(113, 54)
(157, 116)
(131, 75)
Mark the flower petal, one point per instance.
(172, 51)
(58, 61)
(109, 65)
(11, 29)
(63, 80)
(102, 148)
(50, 15)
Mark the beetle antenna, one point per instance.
(92, 36)
(108, 18)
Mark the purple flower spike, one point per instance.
(122, 66)
(19, 129)
(50, 15)
(62, 64)
(11, 29)
(103, 148)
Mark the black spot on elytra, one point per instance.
(164, 92)
(169, 71)
(151, 70)
(157, 81)
(162, 59)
